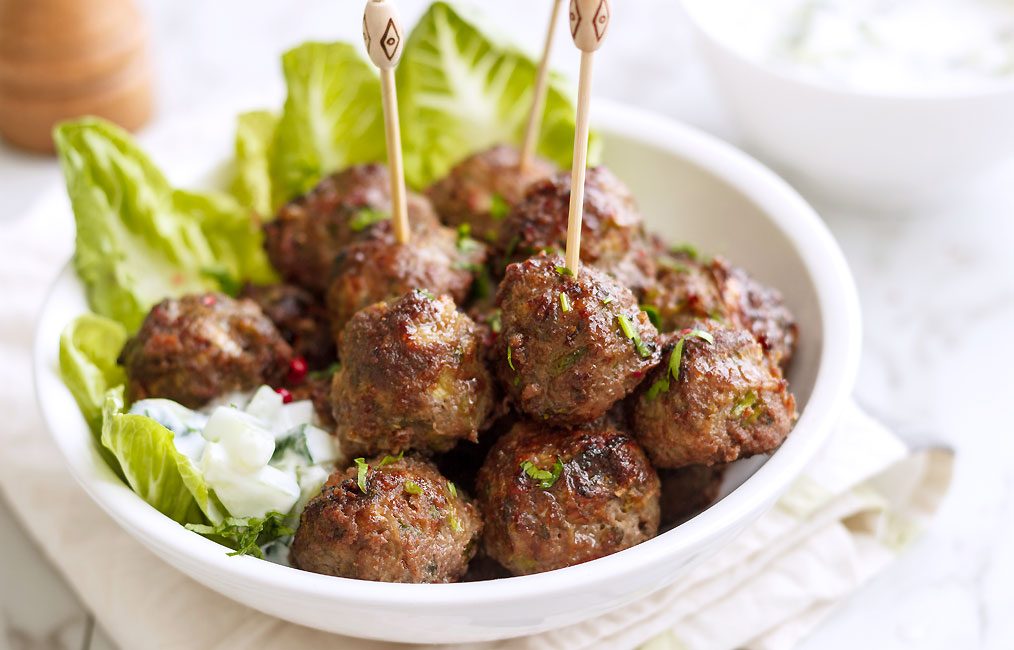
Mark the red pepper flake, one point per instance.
(209, 300)
(297, 370)
(286, 395)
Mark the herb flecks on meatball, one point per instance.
(199, 347)
(481, 190)
(412, 377)
(349, 206)
(715, 398)
(612, 233)
(572, 346)
(300, 317)
(556, 497)
(371, 271)
(688, 289)
(388, 520)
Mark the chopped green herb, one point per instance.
(496, 322)
(675, 359)
(744, 403)
(246, 536)
(510, 360)
(326, 373)
(563, 270)
(498, 207)
(483, 286)
(452, 519)
(607, 300)
(426, 293)
(673, 265)
(628, 330)
(361, 469)
(568, 360)
(688, 250)
(387, 460)
(565, 302)
(653, 314)
(465, 243)
(452, 489)
(365, 218)
(412, 487)
(545, 478)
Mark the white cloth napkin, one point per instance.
(859, 503)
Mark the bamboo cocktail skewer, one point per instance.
(539, 96)
(382, 33)
(589, 22)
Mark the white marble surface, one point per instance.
(937, 291)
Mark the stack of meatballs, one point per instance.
(581, 413)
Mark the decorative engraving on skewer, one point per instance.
(575, 18)
(391, 40)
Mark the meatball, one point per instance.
(401, 522)
(481, 189)
(612, 234)
(557, 497)
(719, 400)
(352, 205)
(300, 317)
(412, 377)
(372, 271)
(199, 347)
(571, 346)
(688, 491)
(688, 289)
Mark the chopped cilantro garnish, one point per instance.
(689, 250)
(563, 270)
(412, 487)
(653, 314)
(567, 360)
(607, 300)
(452, 489)
(365, 218)
(510, 359)
(426, 293)
(565, 302)
(452, 519)
(387, 460)
(465, 242)
(498, 208)
(496, 322)
(675, 359)
(628, 330)
(545, 478)
(745, 402)
(246, 536)
(361, 469)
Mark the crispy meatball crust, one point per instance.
(688, 491)
(372, 271)
(409, 526)
(569, 366)
(612, 234)
(687, 290)
(730, 401)
(481, 188)
(606, 498)
(349, 206)
(300, 317)
(412, 377)
(198, 347)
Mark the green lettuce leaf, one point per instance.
(89, 346)
(251, 185)
(162, 476)
(246, 536)
(139, 240)
(332, 117)
(462, 91)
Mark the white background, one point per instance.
(937, 290)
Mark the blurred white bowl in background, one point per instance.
(853, 146)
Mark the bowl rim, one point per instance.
(838, 304)
(707, 32)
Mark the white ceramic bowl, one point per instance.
(691, 187)
(859, 148)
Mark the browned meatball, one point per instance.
(372, 271)
(403, 522)
(481, 189)
(728, 400)
(412, 377)
(572, 346)
(199, 347)
(688, 491)
(688, 289)
(300, 317)
(556, 497)
(351, 205)
(612, 235)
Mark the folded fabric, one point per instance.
(859, 503)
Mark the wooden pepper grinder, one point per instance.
(61, 59)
